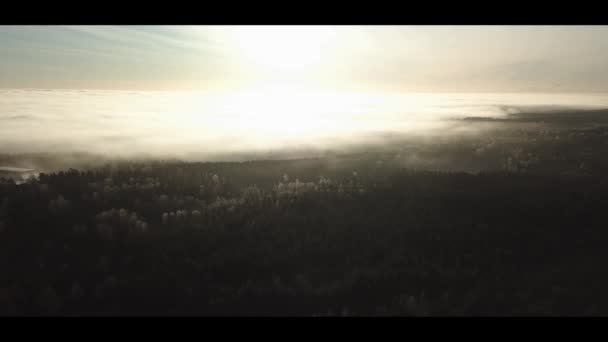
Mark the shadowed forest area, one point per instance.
(509, 221)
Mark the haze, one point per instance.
(176, 90)
(303, 171)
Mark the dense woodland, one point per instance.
(512, 222)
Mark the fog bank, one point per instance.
(275, 122)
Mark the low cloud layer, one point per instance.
(174, 124)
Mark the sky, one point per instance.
(410, 58)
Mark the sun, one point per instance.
(287, 99)
(283, 49)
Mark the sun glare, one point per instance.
(283, 49)
(278, 111)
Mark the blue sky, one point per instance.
(420, 58)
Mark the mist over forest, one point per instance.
(303, 170)
(54, 129)
(499, 217)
